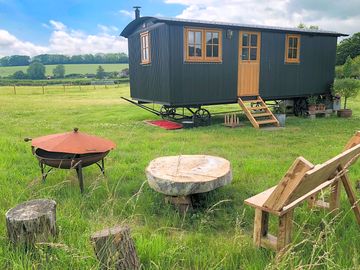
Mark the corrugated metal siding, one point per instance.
(313, 75)
(150, 82)
(169, 80)
(202, 83)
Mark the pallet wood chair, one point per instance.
(302, 182)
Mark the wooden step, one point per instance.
(252, 101)
(261, 114)
(256, 108)
(252, 112)
(270, 121)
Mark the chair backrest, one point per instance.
(355, 140)
(303, 177)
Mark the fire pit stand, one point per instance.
(78, 167)
(71, 150)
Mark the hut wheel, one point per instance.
(202, 115)
(167, 112)
(300, 107)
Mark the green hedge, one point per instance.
(85, 81)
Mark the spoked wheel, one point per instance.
(202, 116)
(300, 107)
(167, 112)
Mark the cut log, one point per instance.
(32, 221)
(188, 174)
(115, 249)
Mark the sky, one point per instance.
(32, 27)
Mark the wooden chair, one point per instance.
(303, 181)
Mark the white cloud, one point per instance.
(127, 13)
(64, 40)
(58, 25)
(327, 14)
(9, 45)
(107, 29)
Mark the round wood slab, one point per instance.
(188, 174)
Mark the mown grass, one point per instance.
(216, 235)
(69, 69)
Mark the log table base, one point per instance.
(182, 203)
(31, 222)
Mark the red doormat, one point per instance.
(165, 124)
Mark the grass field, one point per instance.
(69, 69)
(216, 235)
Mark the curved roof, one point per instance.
(130, 28)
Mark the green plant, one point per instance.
(346, 88)
(312, 100)
(339, 72)
(348, 67)
(100, 72)
(36, 71)
(59, 71)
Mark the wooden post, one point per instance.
(231, 120)
(351, 195)
(31, 222)
(64, 87)
(80, 87)
(335, 191)
(14, 89)
(115, 249)
(261, 223)
(43, 90)
(285, 228)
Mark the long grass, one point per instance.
(216, 235)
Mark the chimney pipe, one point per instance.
(137, 12)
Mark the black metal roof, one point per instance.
(128, 30)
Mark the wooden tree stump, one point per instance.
(188, 174)
(115, 249)
(32, 221)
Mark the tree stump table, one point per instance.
(180, 177)
(31, 222)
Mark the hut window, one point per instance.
(202, 45)
(145, 47)
(292, 49)
(249, 46)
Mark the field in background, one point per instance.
(217, 235)
(69, 69)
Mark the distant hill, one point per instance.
(69, 69)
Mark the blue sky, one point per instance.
(25, 18)
(80, 26)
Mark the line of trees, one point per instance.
(348, 47)
(37, 71)
(56, 59)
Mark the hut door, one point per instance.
(249, 63)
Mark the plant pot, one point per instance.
(345, 113)
(312, 107)
(321, 107)
(281, 118)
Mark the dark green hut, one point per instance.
(190, 63)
